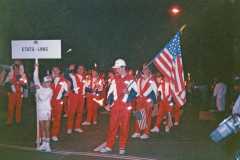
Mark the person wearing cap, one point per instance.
(16, 82)
(122, 91)
(43, 101)
(60, 88)
(94, 92)
(76, 100)
(147, 88)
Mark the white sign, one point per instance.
(32, 49)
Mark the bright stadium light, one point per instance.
(175, 10)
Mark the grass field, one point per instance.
(187, 142)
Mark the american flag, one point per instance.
(141, 118)
(169, 63)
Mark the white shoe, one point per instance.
(98, 148)
(54, 138)
(136, 135)
(105, 150)
(69, 131)
(79, 130)
(42, 147)
(144, 136)
(167, 129)
(155, 130)
(95, 122)
(176, 124)
(121, 151)
(65, 116)
(86, 123)
(47, 148)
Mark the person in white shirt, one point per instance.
(43, 101)
(219, 93)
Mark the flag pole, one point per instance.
(38, 138)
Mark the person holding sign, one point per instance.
(43, 100)
(15, 83)
(60, 88)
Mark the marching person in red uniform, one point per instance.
(164, 108)
(122, 91)
(147, 88)
(71, 68)
(16, 81)
(94, 92)
(59, 88)
(76, 100)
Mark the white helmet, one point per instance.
(119, 63)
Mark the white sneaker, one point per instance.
(105, 150)
(54, 138)
(47, 147)
(176, 124)
(65, 116)
(167, 129)
(155, 130)
(136, 135)
(86, 123)
(69, 131)
(95, 122)
(79, 130)
(42, 147)
(121, 151)
(98, 148)
(144, 136)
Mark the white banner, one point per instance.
(32, 49)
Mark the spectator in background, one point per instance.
(219, 94)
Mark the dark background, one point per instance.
(102, 30)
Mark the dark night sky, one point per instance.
(101, 30)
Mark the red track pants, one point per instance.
(176, 113)
(92, 108)
(14, 103)
(75, 108)
(119, 121)
(163, 109)
(57, 107)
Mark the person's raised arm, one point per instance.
(36, 76)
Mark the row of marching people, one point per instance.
(122, 93)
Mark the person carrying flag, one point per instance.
(147, 88)
(122, 91)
